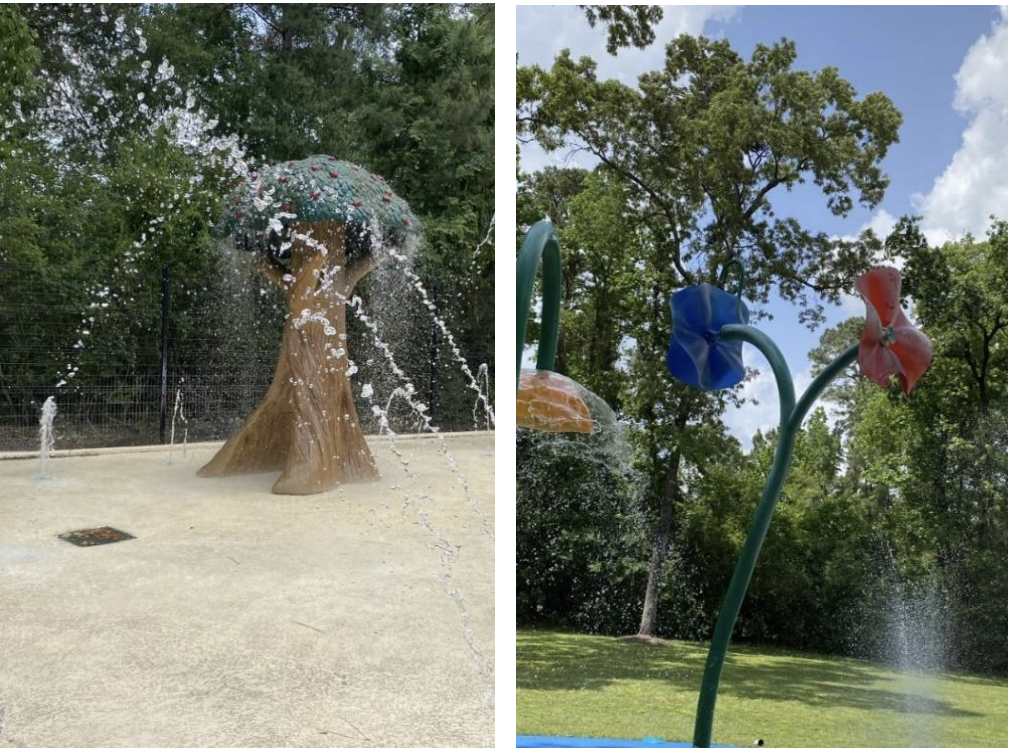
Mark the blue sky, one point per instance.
(945, 68)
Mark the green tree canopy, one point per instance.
(706, 140)
(699, 148)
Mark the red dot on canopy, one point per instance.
(334, 174)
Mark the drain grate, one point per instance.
(94, 537)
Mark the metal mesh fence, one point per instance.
(99, 353)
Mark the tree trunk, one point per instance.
(660, 543)
(306, 426)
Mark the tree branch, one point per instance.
(252, 7)
(659, 201)
(272, 271)
(359, 268)
(756, 203)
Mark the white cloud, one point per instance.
(746, 420)
(532, 158)
(882, 223)
(743, 422)
(974, 184)
(851, 305)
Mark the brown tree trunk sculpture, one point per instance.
(307, 426)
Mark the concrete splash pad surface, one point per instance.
(360, 617)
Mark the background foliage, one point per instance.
(124, 127)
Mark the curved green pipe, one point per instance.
(540, 245)
(790, 419)
(764, 344)
(822, 381)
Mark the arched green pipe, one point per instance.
(823, 379)
(791, 417)
(540, 246)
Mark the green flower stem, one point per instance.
(541, 243)
(791, 417)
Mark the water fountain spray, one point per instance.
(481, 404)
(46, 436)
(178, 413)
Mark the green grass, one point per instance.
(599, 687)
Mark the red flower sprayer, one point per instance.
(890, 345)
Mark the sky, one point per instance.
(944, 67)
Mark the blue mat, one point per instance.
(532, 740)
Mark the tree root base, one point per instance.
(306, 426)
(644, 640)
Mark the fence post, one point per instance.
(164, 351)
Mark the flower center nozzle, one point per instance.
(888, 337)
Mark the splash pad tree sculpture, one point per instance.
(709, 328)
(333, 223)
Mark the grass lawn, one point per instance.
(599, 687)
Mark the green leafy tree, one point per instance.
(548, 194)
(701, 145)
(627, 25)
(18, 57)
(579, 534)
(600, 249)
(813, 580)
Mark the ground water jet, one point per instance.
(46, 436)
(178, 413)
(903, 625)
(482, 403)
